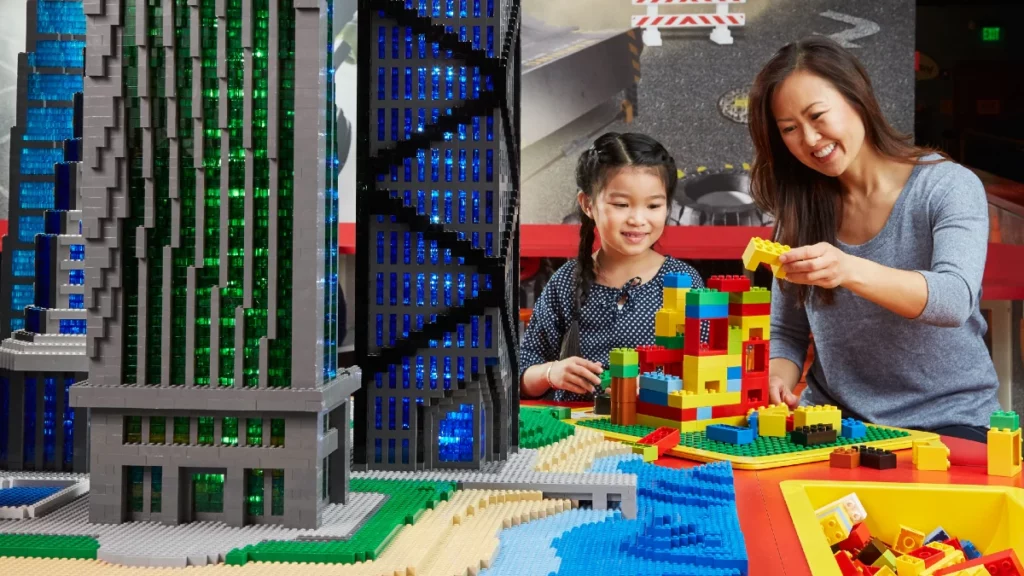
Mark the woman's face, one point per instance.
(817, 124)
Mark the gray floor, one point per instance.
(684, 78)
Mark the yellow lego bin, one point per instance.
(991, 517)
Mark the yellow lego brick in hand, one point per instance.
(760, 251)
(811, 415)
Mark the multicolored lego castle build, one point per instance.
(685, 383)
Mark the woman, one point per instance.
(889, 248)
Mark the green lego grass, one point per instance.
(49, 546)
(762, 446)
(406, 501)
(541, 426)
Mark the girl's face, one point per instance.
(817, 124)
(630, 212)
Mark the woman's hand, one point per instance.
(779, 393)
(820, 264)
(575, 374)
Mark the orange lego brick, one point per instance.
(844, 457)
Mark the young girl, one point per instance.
(607, 299)
(889, 249)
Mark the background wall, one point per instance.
(12, 41)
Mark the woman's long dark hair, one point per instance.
(806, 204)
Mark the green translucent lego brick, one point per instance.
(1006, 420)
(625, 371)
(707, 297)
(542, 426)
(605, 425)
(773, 445)
(735, 340)
(623, 357)
(756, 295)
(670, 342)
(48, 546)
(407, 500)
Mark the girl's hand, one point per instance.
(575, 374)
(779, 393)
(820, 264)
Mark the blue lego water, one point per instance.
(686, 524)
(26, 495)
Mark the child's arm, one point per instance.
(790, 338)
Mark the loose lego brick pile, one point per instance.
(910, 551)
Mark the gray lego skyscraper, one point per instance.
(209, 210)
(436, 232)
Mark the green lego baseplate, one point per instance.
(542, 425)
(762, 446)
(406, 502)
(48, 546)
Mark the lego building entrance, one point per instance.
(205, 494)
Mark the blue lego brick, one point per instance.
(753, 423)
(678, 280)
(707, 312)
(653, 397)
(937, 535)
(26, 495)
(666, 537)
(704, 413)
(734, 385)
(729, 434)
(660, 382)
(970, 551)
(853, 428)
(734, 372)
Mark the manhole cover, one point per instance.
(733, 104)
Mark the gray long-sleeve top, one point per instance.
(924, 373)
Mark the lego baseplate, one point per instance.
(887, 437)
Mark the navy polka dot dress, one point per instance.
(603, 324)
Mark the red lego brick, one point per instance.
(729, 283)
(736, 309)
(728, 411)
(664, 438)
(755, 358)
(846, 565)
(718, 337)
(755, 392)
(789, 423)
(667, 412)
(955, 543)
(928, 554)
(653, 358)
(868, 570)
(1004, 563)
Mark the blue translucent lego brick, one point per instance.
(77, 252)
(76, 277)
(660, 382)
(21, 296)
(17, 324)
(678, 280)
(29, 226)
(753, 423)
(36, 195)
(970, 551)
(25, 495)
(729, 434)
(48, 124)
(455, 436)
(734, 372)
(734, 385)
(704, 413)
(76, 301)
(653, 397)
(57, 54)
(55, 87)
(853, 428)
(60, 17)
(707, 312)
(40, 161)
(72, 326)
(23, 263)
(34, 319)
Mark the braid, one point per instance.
(585, 260)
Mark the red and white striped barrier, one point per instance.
(720, 21)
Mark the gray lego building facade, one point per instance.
(210, 224)
(436, 232)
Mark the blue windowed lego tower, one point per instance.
(50, 73)
(42, 359)
(437, 233)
